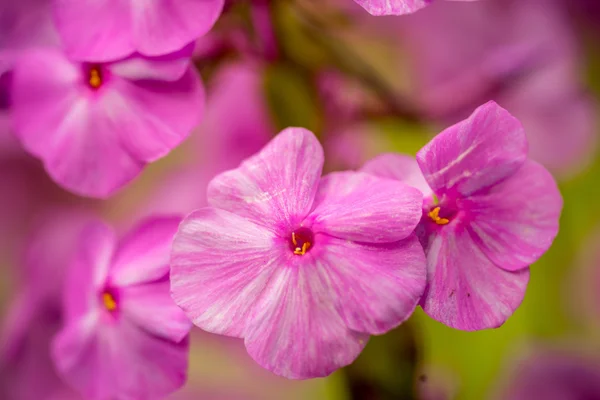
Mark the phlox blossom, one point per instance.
(303, 268)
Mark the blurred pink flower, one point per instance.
(488, 213)
(107, 30)
(552, 375)
(236, 124)
(394, 7)
(95, 126)
(123, 336)
(520, 53)
(284, 258)
(34, 315)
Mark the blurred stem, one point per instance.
(354, 64)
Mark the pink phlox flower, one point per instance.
(34, 315)
(303, 268)
(95, 126)
(522, 54)
(551, 374)
(489, 212)
(123, 337)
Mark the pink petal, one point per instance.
(515, 222)
(295, 330)
(143, 255)
(466, 291)
(150, 307)
(95, 30)
(276, 187)
(362, 207)
(56, 123)
(88, 273)
(550, 103)
(48, 255)
(552, 374)
(236, 88)
(119, 361)
(168, 25)
(399, 167)
(16, 323)
(377, 286)
(474, 154)
(25, 24)
(153, 117)
(94, 142)
(392, 7)
(220, 264)
(107, 30)
(169, 67)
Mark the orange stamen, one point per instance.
(95, 78)
(109, 301)
(435, 216)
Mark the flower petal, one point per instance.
(466, 290)
(377, 286)
(153, 117)
(48, 254)
(277, 186)
(117, 360)
(392, 7)
(515, 222)
(220, 264)
(295, 330)
(551, 373)
(95, 30)
(168, 25)
(169, 67)
(151, 308)
(474, 154)
(88, 273)
(362, 207)
(107, 30)
(143, 255)
(400, 167)
(64, 127)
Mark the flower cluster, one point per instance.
(304, 268)
(113, 90)
(253, 241)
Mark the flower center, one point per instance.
(109, 301)
(95, 77)
(434, 214)
(302, 240)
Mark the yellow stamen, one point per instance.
(435, 216)
(300, 251)
(109, 301)
(95, 78)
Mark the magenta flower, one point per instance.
(520, 53)
(552, 374)
(394, 7)
(95, 126)
(34, 315)
(488, 213)
(302, 268)
(123, 337)
(105, 30)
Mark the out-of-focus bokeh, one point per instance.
(364, 85)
